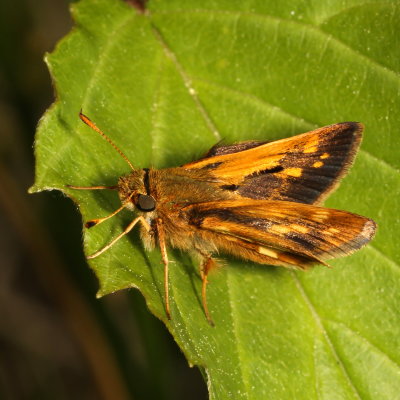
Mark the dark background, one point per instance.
(57, 341)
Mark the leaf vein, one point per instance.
(188, 84)
(364, 339)
(315, 28)
(323, 330)
(383, 255)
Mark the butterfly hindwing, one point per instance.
(312, 232)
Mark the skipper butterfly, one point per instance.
(258, 201)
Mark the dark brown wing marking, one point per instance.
(219, 149)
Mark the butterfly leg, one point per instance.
(164, 255)
(205, 267)
(125, 232)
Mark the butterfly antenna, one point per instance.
(92, 125)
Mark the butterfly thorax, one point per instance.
(165, 194)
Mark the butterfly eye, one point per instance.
(146, 203)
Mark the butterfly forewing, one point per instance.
(304, 168)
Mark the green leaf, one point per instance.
(167, 84)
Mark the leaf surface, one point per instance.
(168, 84)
